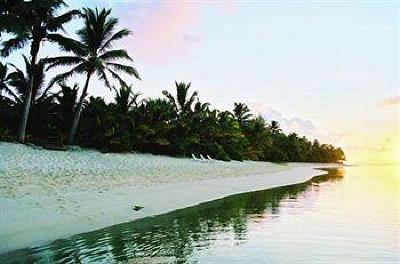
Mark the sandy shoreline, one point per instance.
(46, 195)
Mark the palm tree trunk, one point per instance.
(28, 97)
(77, 114)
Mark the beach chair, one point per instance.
(194, 158)
(203, 159)
(210, 159)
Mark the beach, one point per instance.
(47, 195)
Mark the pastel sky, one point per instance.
(324, 69)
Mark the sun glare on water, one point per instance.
(383, 152)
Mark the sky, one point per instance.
(324, 69)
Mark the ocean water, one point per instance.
(350, 216)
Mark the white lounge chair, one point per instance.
(211, 159)
(194, 158)
(203, 159)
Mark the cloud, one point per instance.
(289, 125)
(192, 36)
(158, 29)
(393, 100)
(165, 29)
(300, 126)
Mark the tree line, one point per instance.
(177, 124)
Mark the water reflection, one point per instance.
(173, 237)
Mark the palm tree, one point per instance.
(20, 81)
(274, 127)
(33, 21)
(66, 99)
(41, 100)
(201, 108)
(92, 53)
(156, 111)
(181, 102)
(125, 99)
(225, 120)
(242, 113)
(258, 137)
(3, 78)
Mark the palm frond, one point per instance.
(98, 27)
(191, 99)
(12, 44)
(16, 98)
(103, 77)
(181, 93)
(62, 61)
(47, 6)
(109, 26)
(64, 76)
(112, 55)
(8, 24)
(67, 44)
(117, 36)
(116, 76)
(124, 68)
(170, 98)
(57, 23)
(18, 81)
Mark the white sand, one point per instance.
(46, 195)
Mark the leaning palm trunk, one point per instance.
(92, 53)
(77, 114)
(28, 96)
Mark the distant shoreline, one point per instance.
(49, 195)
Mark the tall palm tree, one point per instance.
(92, 53)
(242, 113)
(182, 103)
(30, 21)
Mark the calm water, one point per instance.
(351, 217)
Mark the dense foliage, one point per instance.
(177, 124)
(31, 22)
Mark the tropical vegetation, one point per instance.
(31, 21)
(58, 113)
